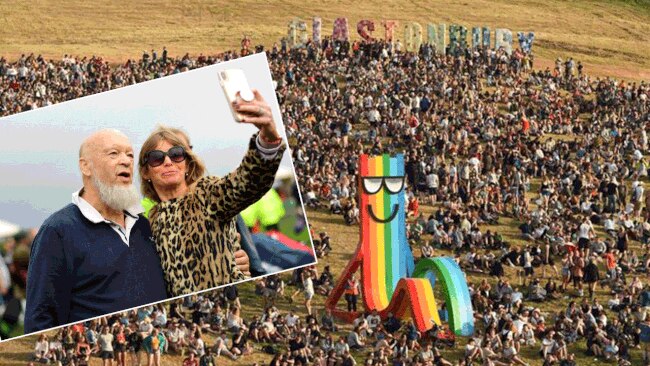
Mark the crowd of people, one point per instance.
(144, 336)
(491, 144)
(14, 260)
(33, 81)
(150, 334)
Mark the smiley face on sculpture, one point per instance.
(391, 185)
(381, 181)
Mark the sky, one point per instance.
(40, 148)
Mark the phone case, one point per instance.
(233, 81)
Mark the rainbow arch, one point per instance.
(454, 286)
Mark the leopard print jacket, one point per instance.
(196, 236)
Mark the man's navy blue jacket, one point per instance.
(79, 269)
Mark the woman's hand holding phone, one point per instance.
(258, 113)
(248, 106)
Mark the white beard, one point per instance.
(117, 197)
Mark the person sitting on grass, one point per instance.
(221, 347)
(240, 344)
(510, 354)
(42, 349)
(191, 360)
(83, 349)
(208, 358)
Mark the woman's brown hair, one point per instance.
(195, 167)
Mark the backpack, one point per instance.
(270, 350)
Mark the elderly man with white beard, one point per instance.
(96, 255)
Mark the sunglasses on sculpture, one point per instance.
(156, 157)
(393, 185)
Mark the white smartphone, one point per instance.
(233, 81)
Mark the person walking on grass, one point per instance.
(577, 271)
(105, 347)
(591, 276)
(352, 292)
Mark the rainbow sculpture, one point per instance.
(390, 280)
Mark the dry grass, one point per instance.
(611, 37)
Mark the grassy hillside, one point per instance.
(611, 37)
(344, 240)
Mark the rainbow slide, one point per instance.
(390, 280)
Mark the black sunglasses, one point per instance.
(372, 185)
(156, 157)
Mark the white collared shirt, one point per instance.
(91, 213)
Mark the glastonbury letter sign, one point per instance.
(444, 39)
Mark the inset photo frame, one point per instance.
(149, 192)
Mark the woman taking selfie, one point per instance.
(194, 223)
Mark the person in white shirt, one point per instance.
(341, 347)
(145, 327)
(536, 318)
(433, 181)
(373, 116)
(609, 225)
(335, 205)
(205, 307)
(373, 320)
(5, 277)
(198, 346)
(599, 247)
(367, 101)
(221, 347)
(586, 232)
(160, 317)
(427, 250)
(510, 353)
(627, 222)
(56, 348)
(362, 324)
(308, 286)
(42, 349)
(548, 343)
(527, 337)
(175, 338)
(472, 350)
(291, 319)
(528, 264)
(234, 321)
(426, 354)
(105, 346)
(637, 197)
(518, 323)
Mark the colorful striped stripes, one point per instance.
(383, 243)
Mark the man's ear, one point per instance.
(84, 167)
